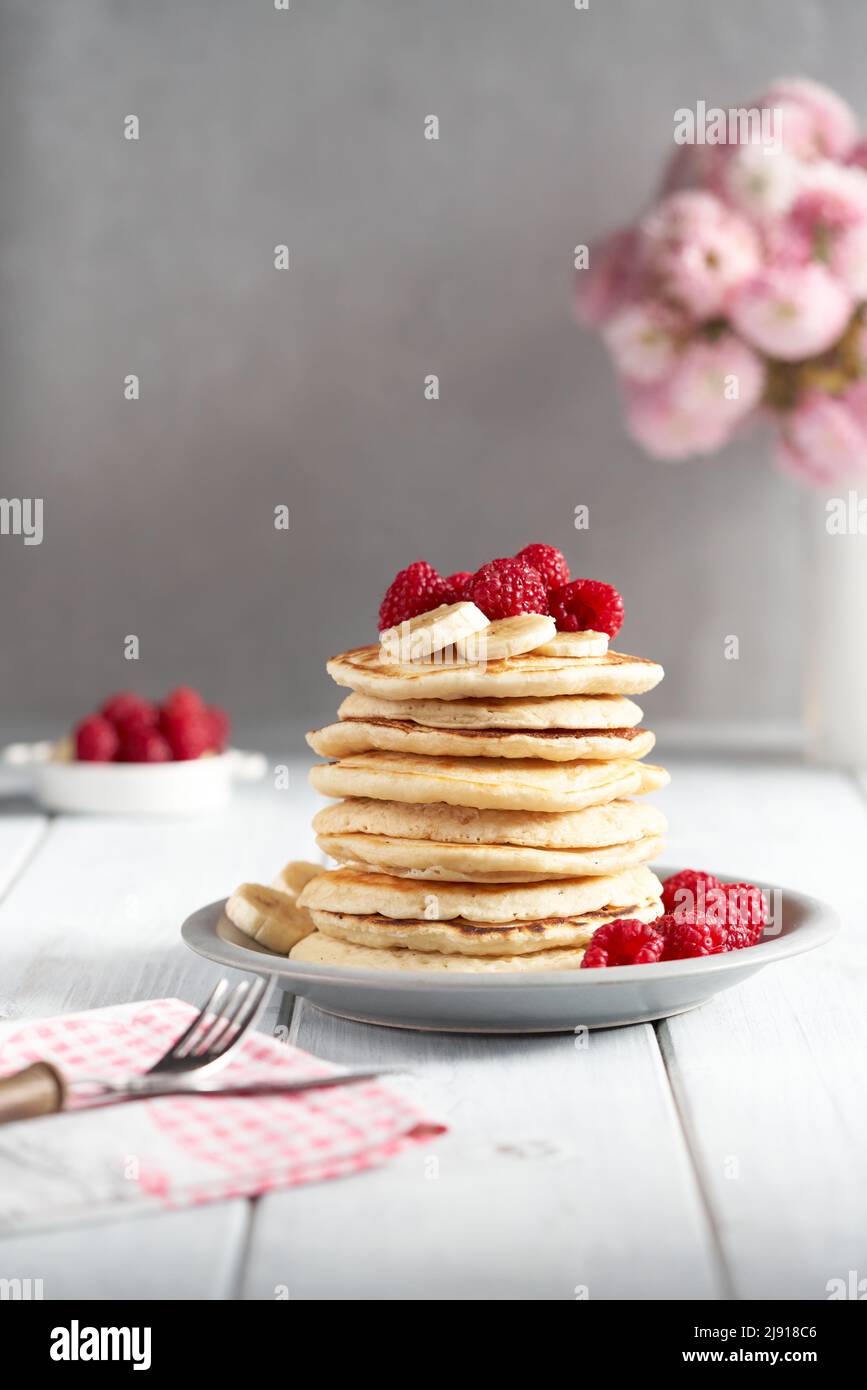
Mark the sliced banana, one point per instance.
(271, 918)
(418, 638)
(295, 875)
(507, 637)
(575, 644)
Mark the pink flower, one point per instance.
(610, 279)
(822, 440)
(849, 261)
(714, 386)
(760, 183)
(786, 244)
(858, 156)
(697, 250)
(796, 131)
(831, 130)
(855, 400)
(696, 166)
(791, 312)
(831, 203)
(665, 431)
(642, 339)
(722, 379)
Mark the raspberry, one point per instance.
(746, 914)
(221, 726)
(624, 942)
(587, 605)
(128, 708)
(505, 588)
(688, 891)
(417, 589)
(188, 735)
(140, 744)
(685, 937)
(96, 740)
(455, 586)
(181, 702)
(145, 718)
(550, 562)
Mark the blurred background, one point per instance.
(306, 387)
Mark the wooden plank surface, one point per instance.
(184, 1254)
(564, 1170)
(21, 831)
(770, 1077)
(728, 1163)
(93, 919)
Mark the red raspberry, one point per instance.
(96, 740)
(140, 744)
(181, 702)
(144, 718)
(221, 726)
(188, 735)
(417, 589)
(128, 708)
(624, 942)
(689, 891)
(587, 605)
(685, 937)
(504, 588)
(746, 914)
(454, 588)
(550, 562)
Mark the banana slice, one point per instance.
(418, 638)
(575, 644)
(271, 918)
(295, 875)
(507, 637)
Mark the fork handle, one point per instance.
(36, 1090)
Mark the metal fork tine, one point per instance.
(176, 1049)
(186, 1050)
(244, 1018)
(223, 1020)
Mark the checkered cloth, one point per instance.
(181, 1150)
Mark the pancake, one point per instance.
(516, 784)
(532, 712)
(364, 893)
(553, 745)
(464, 937)
(456, 863)
(319, 949)
(611, 673)
(610, 824)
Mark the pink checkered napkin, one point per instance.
(181, 1150)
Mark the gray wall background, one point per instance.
(305, 388)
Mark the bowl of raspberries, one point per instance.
(137, 756)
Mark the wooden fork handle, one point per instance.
(36, 1090)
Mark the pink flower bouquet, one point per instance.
(743, 290)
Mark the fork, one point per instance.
(225, 1018)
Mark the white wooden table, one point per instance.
(721, 1154)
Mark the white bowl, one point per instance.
(132, 789)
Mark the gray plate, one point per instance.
(554, 1002)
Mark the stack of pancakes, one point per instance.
(486, 820)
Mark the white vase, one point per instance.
(835, 616)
